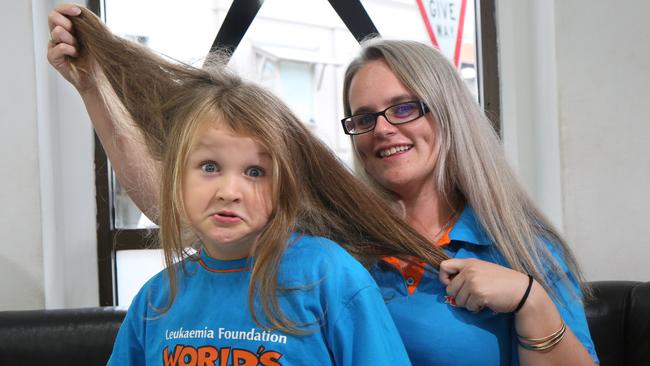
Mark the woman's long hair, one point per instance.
(313, 192)
(471, 161)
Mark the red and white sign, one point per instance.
(444, 20)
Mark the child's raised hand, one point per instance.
(63, 43)
(477, 284)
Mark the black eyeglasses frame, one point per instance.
(422, 110)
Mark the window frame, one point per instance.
(238, 19)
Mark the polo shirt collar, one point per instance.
(468, 229)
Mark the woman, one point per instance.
(420, 137)
(441, 161)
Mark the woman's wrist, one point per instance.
(524, 298)
(538, 316)
(89, 92)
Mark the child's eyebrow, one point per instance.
(210, 146)
(199, 146)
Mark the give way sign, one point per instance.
(444, 20)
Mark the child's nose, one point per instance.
(229, 189)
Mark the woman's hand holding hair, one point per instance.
(477, 284)
(136, 169)
(63, 45)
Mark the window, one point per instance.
(293, 81)
(300, 53)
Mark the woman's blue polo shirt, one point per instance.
(437, 333)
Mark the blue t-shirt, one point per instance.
(437, 333)
(209, 322)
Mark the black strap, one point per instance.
(355, 18)
(242, 12)
(240, 16)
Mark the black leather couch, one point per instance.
(619, 322)
(58, 337)
(618, 316)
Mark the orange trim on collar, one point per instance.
(445, 239)
(222, 270)
(413, 271)
(204, 265)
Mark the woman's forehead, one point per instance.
(374, 86)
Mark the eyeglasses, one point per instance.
(396, 115)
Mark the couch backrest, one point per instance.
(619, 322)
(58, 337)
(618, 317)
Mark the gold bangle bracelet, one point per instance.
(544, 339)
(545, 343)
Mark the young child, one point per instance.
(246, 182)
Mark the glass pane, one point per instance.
(299, 50)
(127, 214)
(297, 86)
(182, 30)
(434, 22)
(134, 268)
(195, 27)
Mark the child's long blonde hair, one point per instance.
(313, 193)
(471, 163)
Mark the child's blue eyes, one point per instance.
(211, 167)
(255, 172)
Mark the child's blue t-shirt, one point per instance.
(209, 322)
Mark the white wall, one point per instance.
(21, 256)
(48, 256)
(575, 82)
(603, 63)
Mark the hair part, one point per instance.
(471, 162)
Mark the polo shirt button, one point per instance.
(410, 281)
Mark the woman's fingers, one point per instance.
(56, 54)
(475, 303)
(63, 43)
(476, 284)
(60, 14)
(449, 269)
(61, 35)
(461, 295)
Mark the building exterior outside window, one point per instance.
(297, 49)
